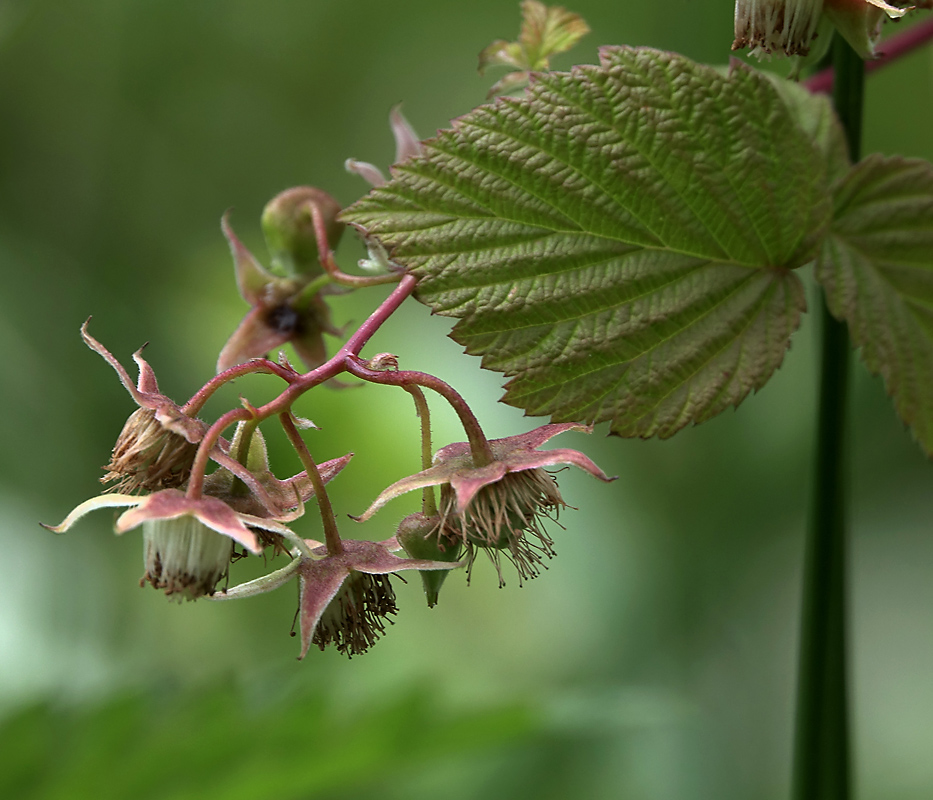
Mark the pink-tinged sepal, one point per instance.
(286, 307)
(157, 445)
(254, 337)
(499, 506)
(345, 598)
(251, 278)
(407, 145)
(112, 500)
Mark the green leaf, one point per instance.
(818, 120)
(877, 270)
(621, 240)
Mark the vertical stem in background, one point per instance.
(821, 768)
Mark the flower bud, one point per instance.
(424, 537)
(288, 226)
(184, 557)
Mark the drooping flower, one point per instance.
(188, 543)
(157, 445)
(790, 27)
(346, 598)
(499, 507)
(784, 26)
(286, 308)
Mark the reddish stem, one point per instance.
(894, 48)
(299, 384)
(331, 534)
(479, 445)
(262, 365)
(199, 466)
(326, 257)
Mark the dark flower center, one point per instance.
(284, 319)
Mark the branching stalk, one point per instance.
(256, 365)
(479, 445)
(299, 384)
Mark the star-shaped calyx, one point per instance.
(346, 597)
(287, 306)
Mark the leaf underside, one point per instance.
(620, 240)
(877, 270)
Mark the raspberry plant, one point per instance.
(624, 243)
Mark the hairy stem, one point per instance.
(479, 445)
(260, 365)
(331, 534)
(428, 500)
(206, 446)
(822, 769)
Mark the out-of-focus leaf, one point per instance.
(622, 239)
(877, 269)
(546, 31)
(217, 744)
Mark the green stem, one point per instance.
(822, 769)
(428, 500)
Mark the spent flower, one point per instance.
(188, 541)
(345, 598)
(500, 506)
(790, 27)
(157, 445)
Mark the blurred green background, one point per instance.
(655, 659)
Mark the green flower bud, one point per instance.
(288, 225)
(423, 538)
